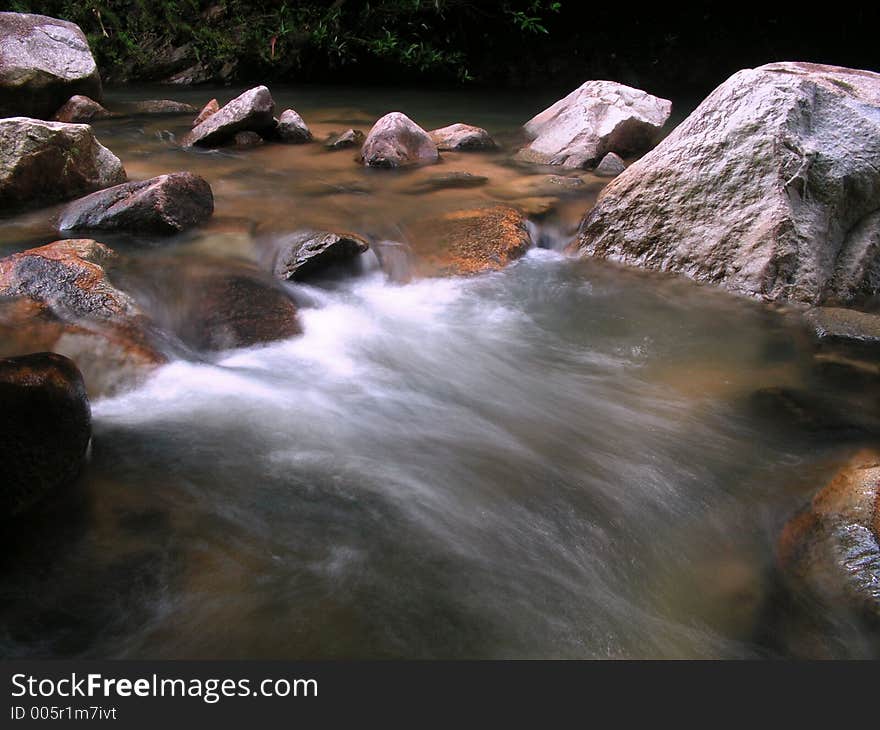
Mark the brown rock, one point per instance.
(469, 241)
(212, 107)
(166, 204)
(45, 428)
(460, 137)
(161, 107)
(349, 138)
(80, 110)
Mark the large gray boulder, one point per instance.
(45, 162)
(596, 118)
(43, 62)
(165, 204)
(770, 188)
(252, 111)
(396, 141)
(45, 428)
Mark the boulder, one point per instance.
(610, 166)
(462, 137)
(70, 278)
(304, 254)
(349, 138)
(45, 428)
(252, 111)
(468, 241)
(166, 204)
(80, 110)
(770, 188)
(830, 550)
(395, 141)
(161, 107)
(596, 118)
(292, 129)
(46, 162)
(212, 107)
(43, 62)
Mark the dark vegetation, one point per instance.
(514, 43)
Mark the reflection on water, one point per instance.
(562, 459)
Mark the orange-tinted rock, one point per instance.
(469, 241)
(80, 110)
(212, 107)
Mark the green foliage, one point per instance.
(281, 39)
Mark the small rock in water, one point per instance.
(212, 107)
(166, 204)
(45, 428)
(395, 258)
(447, 180)
(47, 162)
(247, 139)
(80, 110)
(460, 137)
(292, 129)
(845, 325)
(610, 166)
(349, 138)
(396, 141)
(160, 107)
(304, 254)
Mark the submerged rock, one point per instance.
(396, 141)
(46, 162)
(349, 138)
(446, 181)
(161, 107)
(292, 129)
(247, 139)
(166, 204)
(45, 428)
(610, 166)
(469, 241)
(830, 550)
(304, 254)
(770, 188)
(80, 110)
(212, 107)
(252, 111)
(846, 325)
(43, 62)
(596, 118)
(462, 137)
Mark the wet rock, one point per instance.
(460, 137)
(536, 206)
(830, 552)
(223, 311)
(43, 62)
(80, 110)
(45, 428)
(46, 162)
(292, 129)
(396, 141)
(469, 241)
(166, 204)
(247, 139)
(111, 358)
(349, 138)
(844, 325)
(770, 188)
(252, 111)
(610, 166)
(212, 107)
(305, 254)
(446, 181)
(596, 118)
(161, 107)
(70, 278)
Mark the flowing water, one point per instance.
(560, 459)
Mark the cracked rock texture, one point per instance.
(770, 188)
